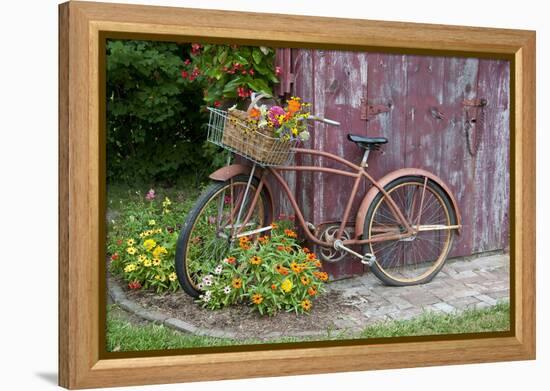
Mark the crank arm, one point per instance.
(366, 259)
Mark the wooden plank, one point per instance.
(491, 163)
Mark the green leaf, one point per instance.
(257, 55)
(259, 85)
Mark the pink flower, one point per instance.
(273, 113)
(278, 71)
(251, 71)
(150, 196)
(187, 62)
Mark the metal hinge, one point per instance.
(475, 121)
(368, 111)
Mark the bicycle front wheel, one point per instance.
(205, 238)
(416, 259)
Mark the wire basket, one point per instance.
(232, 130)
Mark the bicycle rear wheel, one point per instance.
(417, 259)
(205, 238)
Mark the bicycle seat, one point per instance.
(370, 143)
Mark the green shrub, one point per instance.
(231, 72)
(155, 126)
(272, 273)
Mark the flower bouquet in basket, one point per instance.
(266, 134)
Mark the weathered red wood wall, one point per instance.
(428, 126)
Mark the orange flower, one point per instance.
(311, 257)
(312, 291)
(288, 249)
(305, 280)
(318, 263)
(306, 250)
(257, 298)
(295, 267)
(255, 260)
(263, 239)
(293, 106)
(231, 260)
(280, 248)
(254, 113)
(290, 233)
(237, 283)
(273, 287)
(306, 304)
(321, 275)
(281, 270)
(274, 225)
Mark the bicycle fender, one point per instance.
(371, 194)
(226, 173)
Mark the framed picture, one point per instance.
(348, 193)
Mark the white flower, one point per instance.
(218, 269)
(208, 293)
(208, 277)
(208, 282)
(206, 299)
(200, 285)
(227, 290)
(304, 136)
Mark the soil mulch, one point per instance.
(245, 323)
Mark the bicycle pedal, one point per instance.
(368, 259)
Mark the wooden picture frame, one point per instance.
(83, 28)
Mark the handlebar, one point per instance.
(325, 120)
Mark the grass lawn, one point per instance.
(126, 335)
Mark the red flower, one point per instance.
(114, 257)
(278, 71)
(119, 242)
(243, 72)
(195, 48)
(134, 285)
(218, 104)
(243, 92)
(184, 74)
(251, 71)
(187, 62)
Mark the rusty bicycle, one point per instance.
(403, 229)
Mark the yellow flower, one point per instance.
(152, 222)
(166, 203)
(158, 230)
(165, 211)
(156, 261)
(147, 262)
(131, 242)
(160, 278)
(149, 244)
(131, 250)
(142, 258)
(286, 285)
(130, 268)
(172, 276)
(237, 283)
(255, 260)
(306, 304)
(158, 251)
(294, 131)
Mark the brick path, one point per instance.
(465, 283)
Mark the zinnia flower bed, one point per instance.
(271, 273)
